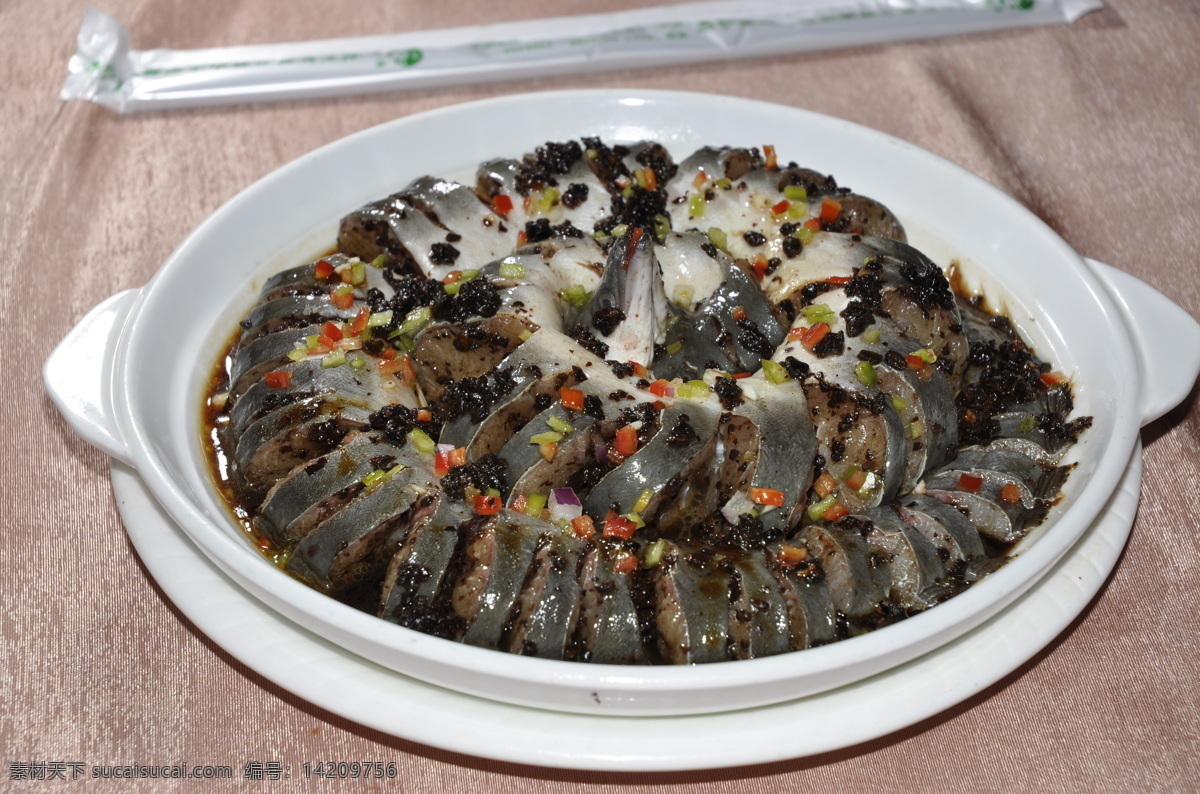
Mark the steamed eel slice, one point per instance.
(949, 530)
(720, 319)
(523, 453)
(857, 577)
(999, 491)
(495, 561)
(272, 430)
(917, 572)
(431, 227)
(546, 282)
(555, 184)
(581, 456)
(921, 399)
(308, 279)
(812, 616)
(530, 294)
(248, 364)
(419, 568)
(281, 440)
(758, 211)
(857, 426)
(690, 590)
(607, 629)
(884, 280)
(531, 374)
(447, 352)
(312, 492)
(543, 616)
(292, 311)
(1020, 428)
(365, 387)
(664, 465)
(759, 621)
(346, 545)
(768, 442)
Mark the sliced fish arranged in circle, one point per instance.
(607, 407)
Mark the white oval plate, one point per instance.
(212, 278)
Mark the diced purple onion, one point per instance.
(564, 504)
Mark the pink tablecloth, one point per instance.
(1094, 126)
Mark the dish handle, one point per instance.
(79, 372)
(1166, 337)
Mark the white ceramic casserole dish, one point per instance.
(141, 402)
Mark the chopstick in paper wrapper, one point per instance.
(105, 70)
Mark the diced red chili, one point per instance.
(1010, 494)
(332, 330)
(813, 336)
(740, 375)
(583, 527)
(835, 513)
(626, 441)
(424, 415)
(502, 204)
(443, 462)
(1052, 379)
(487, 505)
(857, 480)
(766, 496)
(571, 398)
(839, 279)
(791, 556)
(278, 380)
(970, 483)
(400, 366)
(618, 527)
(781, 207)
(625, 563)
(359, 324)
(813, 224)
(760, 268)
(323, 269)
(660, 388)
(830, 209)
(548, 450)
(342, 299)
(772, 160)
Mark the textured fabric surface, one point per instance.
(1094, 126)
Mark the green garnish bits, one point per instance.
(558, 425)
(718, 238)
(421, 441)
(576, 296)
(818, 313)
(535, 503)
(511, 270)
(774, 371)
(413, 321)
(866, 373)
(795, 193)
(653, 554)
